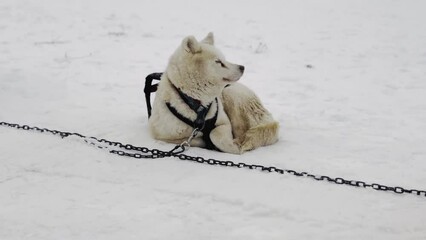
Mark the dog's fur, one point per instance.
(200, 71)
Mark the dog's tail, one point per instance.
(261, 135)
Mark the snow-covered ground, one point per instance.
(346, 80)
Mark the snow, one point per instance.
(346, 80)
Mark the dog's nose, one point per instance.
(241, 68)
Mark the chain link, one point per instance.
(143, 152)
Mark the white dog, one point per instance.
(199, 90)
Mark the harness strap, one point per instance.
(200, 123)
(205, 127)
(179, 116)
(209, 125)
(196, 106)
(149, 88)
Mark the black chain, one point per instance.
(143, 152)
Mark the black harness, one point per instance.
(150, 88)
(201, 123)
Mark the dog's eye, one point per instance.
(221, 63)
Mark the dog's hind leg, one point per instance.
(222, 138)
(260, 135)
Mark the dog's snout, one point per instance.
(241, 68)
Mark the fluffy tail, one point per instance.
(261, 135)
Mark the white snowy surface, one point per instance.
(359, 113)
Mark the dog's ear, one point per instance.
(209, 39)
(191, 45)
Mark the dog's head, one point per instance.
(202, 63)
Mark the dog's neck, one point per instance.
(201, 95)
